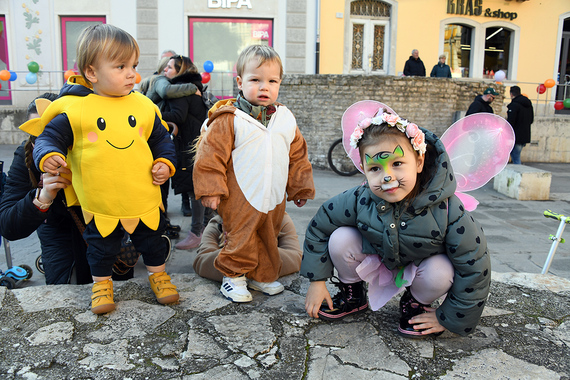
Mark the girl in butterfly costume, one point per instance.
(403, 229)
(115, 148)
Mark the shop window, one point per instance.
(230, 37)
(457, 47)
(5, 95)
(71, 27)
(370, 21)
(497, 52)
(563, 87)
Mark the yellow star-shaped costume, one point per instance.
(110, 159)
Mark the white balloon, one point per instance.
(500, 76)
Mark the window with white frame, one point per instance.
(498, 42)
(370, 26)
(458, 48)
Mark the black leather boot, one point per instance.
(186, 209)
(350, 299)
(409, 308)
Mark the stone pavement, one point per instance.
(48, 332)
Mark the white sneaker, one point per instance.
(235, 289)
(269, 288)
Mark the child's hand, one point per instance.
(211, 202)
(53, 163)
(316, 294)
(300, 202)
(160, 173)
(427, 322)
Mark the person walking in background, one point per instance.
(119, 152)
(441, 70)
(520, 116)
(188, 113)
(250, 160)
(414, 65)
(482, 103)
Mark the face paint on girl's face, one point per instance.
(391, 168)
(384, 158)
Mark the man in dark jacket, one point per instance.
(482, 103)
(520, 115)
(441, 70)
(414, 66)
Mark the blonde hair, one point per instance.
(263, 54)
(104, 40)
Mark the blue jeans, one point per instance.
(516, 153)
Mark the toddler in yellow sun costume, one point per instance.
(118, 150)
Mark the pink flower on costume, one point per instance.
(391, 119)
(412, 130)
(355, 137)
(418, 142)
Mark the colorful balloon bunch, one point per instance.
(7, 75)
(208, 68)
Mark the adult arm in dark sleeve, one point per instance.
(407, 68)
(19, 217)
(433, 73)
(475, 107)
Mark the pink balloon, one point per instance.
(353, 114)
(478, 146)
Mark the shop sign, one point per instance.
(229, 3)
(475, 8)
(260, 32)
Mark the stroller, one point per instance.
(14, 275)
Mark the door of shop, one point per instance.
(563, 87)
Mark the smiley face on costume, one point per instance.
(114, 141)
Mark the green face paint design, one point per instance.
(384, 158)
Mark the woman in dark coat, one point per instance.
(188, 113)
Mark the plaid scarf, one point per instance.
(259, 113)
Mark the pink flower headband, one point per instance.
(412, 131)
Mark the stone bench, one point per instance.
(523, 182)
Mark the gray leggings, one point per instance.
(434, 276)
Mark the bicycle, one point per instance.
(339, 161)
(556, 239)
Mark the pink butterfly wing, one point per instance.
(478, 146)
